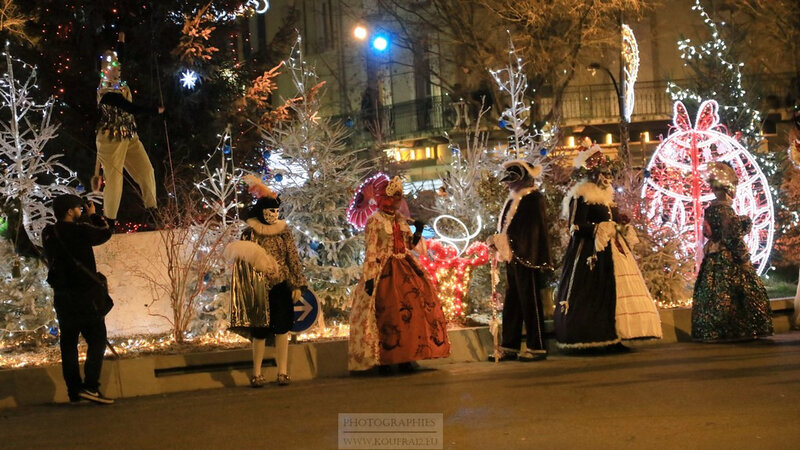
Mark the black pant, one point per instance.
(523, 304)
(93, 330)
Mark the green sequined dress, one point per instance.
(730, 301)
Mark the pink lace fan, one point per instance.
(365, 201)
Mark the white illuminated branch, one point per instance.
(219, 185)
(512, 79)
(28, 177)
(630, 60)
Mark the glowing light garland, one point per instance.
(630, 58)
(676, 192)
(139, 346)
(716, 48)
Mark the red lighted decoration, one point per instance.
(676, 192)
(452, 272)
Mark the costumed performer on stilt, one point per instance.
(396, 316)
(267, 280)
(729, 302)
(118, 144)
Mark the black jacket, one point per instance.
(68, 242)
(527, 230)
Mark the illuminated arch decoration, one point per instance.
(676, 193)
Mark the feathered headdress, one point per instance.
(394, 187)
(257, 188)
(585, 151)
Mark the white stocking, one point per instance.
(282, 352)
(258, 356)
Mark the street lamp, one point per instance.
(624, 133)
(360, 32)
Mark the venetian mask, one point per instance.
(271, 215)
(389, 204)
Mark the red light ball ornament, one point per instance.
(676, 192)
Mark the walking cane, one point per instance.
(111, 347)
(494, 323)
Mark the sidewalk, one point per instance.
(674, 396)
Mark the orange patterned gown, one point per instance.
(403, 320)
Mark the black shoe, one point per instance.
(153, 219)
(384, 370)
(77, 401)
(406, 368)
(618, 348)
(530, 356)
(504, 356)
(96, 396)
(112, 224)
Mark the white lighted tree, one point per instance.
(526, 140)
(29, 178)
(315, 175)
(218, 187)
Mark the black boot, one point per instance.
(406, 367)
(112, 223)
(153, 219)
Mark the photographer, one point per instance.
(79, 292)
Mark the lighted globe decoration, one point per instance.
(676, 192)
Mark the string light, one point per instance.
(138, 346)
(452, 273)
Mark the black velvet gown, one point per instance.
(586, 298)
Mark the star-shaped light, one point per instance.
(189, 79)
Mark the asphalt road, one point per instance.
(665, 396)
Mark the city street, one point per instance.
(661, 396)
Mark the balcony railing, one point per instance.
(588, 104)
(426, 117)
(598, 103)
